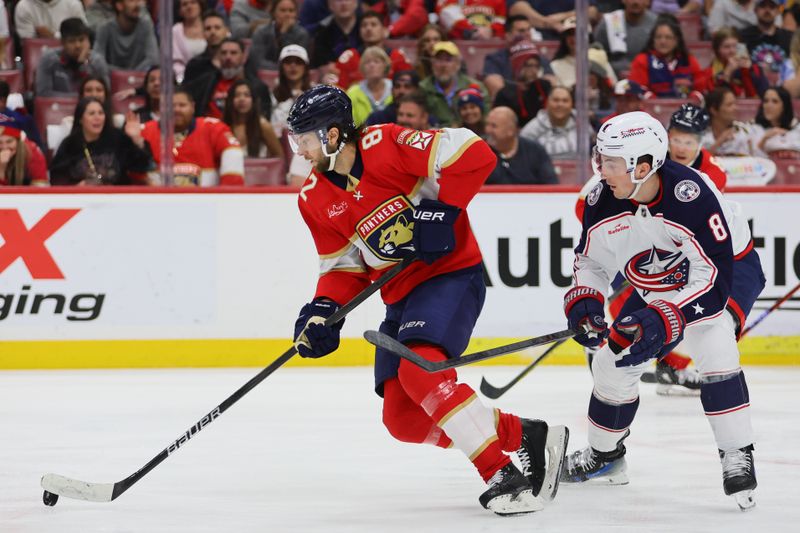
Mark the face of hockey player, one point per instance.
(184, 111)
(773, 107)
(614, 172)
(308, 146)
(683, 146)
(372, 31)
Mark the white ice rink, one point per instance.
(306, 451)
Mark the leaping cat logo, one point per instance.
(395, 236)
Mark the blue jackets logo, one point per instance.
(657, 270)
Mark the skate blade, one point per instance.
(556, 445)
(664, 389)
(615, 476)
(745, 500)
(510, 505)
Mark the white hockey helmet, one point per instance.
(631, 136)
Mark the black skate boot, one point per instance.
(509, 493)
(672, 382)
(536, 438)
(594, 466)
(739, 476)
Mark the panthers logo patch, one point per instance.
(388, 230)
(686, 191)
(594, 194)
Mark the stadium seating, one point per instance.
(692, 27)
(126, 79)
(702, 51)
(567, 172)
(474, 54)
(131, 103)
(269, 77)
(14, 80)
(269, 171)
(788, 172)
(32, 52)
(51, 110)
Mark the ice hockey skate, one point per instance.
(672, 382)
(592, 466)
(739, 476)
(542, 472)
(510, 493)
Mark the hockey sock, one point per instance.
(407, 421)
(455, 408)
(608, 422)
(509, 430)
(726, 402)
(676, 360)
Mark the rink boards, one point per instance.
(169, 279)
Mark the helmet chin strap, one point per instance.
(638, 183)
(332, 155)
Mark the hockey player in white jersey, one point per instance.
(667, 229)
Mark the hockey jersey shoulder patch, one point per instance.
(687, 190)
(594, 194)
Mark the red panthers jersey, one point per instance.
(209, 155)
(458, 16)
(349, 72)
(362, 224)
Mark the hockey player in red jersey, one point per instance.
(206, 152)
(676, 240)
(373, 198)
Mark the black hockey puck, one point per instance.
(49, 498)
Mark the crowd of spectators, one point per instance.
(239, 65)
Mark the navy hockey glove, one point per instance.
(647, 331)
(585, 313)
(434, 235)
(312, 337)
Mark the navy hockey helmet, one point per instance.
(320, 107)
(691, 119)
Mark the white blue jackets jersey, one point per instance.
(679, 247)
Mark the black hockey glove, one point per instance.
(312, 337)
(585, 312)
(649, 332)
(434, 235)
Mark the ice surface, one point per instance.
(306, 451)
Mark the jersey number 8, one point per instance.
(371, 139)
(717, 227)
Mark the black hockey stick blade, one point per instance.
(55, 485)
(384, 341)
(492, 392)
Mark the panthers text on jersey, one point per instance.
(362, 223)
(679, 247)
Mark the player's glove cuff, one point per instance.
(672, 316)
(577, 294)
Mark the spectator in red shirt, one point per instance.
(472, 19)
(666, 67)
(733, 68)
(21, 161)
(373, 33)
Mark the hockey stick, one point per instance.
(381, 340)
(492, 392)
(766, 313)
(55, 485)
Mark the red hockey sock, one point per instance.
(455, 408)
(509, 430)
(407, 421)
(676, 361)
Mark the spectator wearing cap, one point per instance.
(628, 96)
(624, 33)
(271, 38)
(21, 161)
(519, 160)
(767, 42)
(21, 121)
(472, 19)
(127, 42)
(294, 78)
(412, 112)
(545, 15)
(372, 33)
(471, 110)
(737, 14)
(403, 83)
(497, 65)
(61, 71)
(40, 18)
(555, 127)
(247, 16)
(732, 67)
(374, 92)
(665, 66)
(442, 86)
(336, 33)
(564, 64)
(528, 93)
